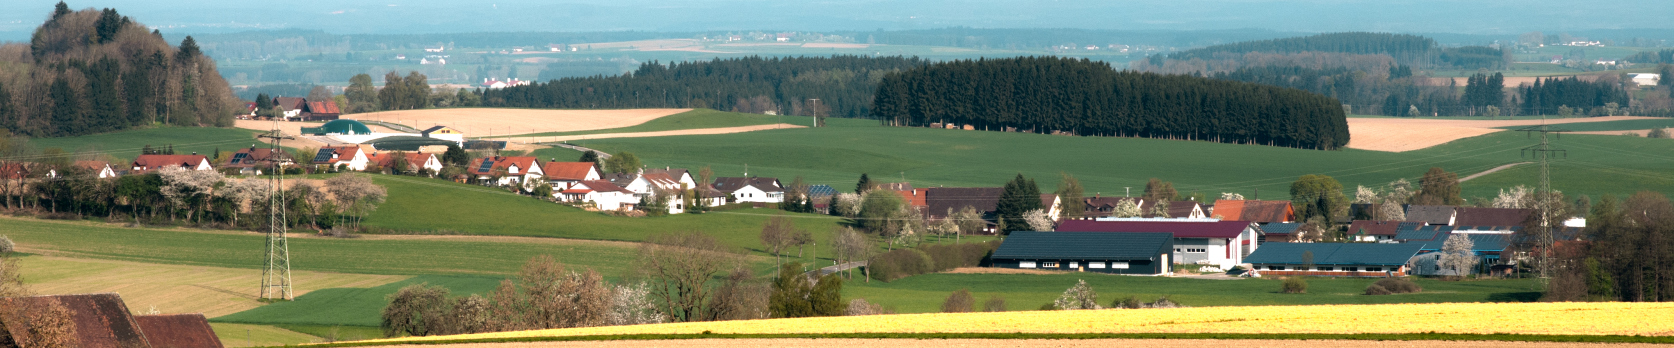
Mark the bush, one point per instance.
(859, 306)
(1374, 289)
(960, 301)
(1396, 286)
(902, 263)
(6, 245)
(1080, 296)
(1295, 285)
(1132, 302)
(994, 304)
(1049, 306)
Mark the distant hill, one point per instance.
(1404, 48)
(94, 71)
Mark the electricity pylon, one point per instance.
(1544, 196)
(276, 270)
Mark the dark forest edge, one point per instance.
(96, 71)
(1080, 97)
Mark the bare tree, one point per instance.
(244, 194)
(188, 188)
(776, 235)
(969, 220)
(563, 299)
(679, 266)
(849, 245)
(356, 195)
(740, 298)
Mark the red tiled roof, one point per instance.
(178, 331)
(93, 165)
(567, 170)
(323, 107)
(602, 186)
(155, 162)
(101, 320)
(344, 153)
(387, 160)
(1253, 210)
(13, 170)
(289, 103)
(524, 163)
(914, 197)
(1217, 229)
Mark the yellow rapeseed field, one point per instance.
(1656, 319)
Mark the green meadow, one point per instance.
(1622, 125)
(126, 145)
(925, 293)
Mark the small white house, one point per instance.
(563, 175)
(601, 194)
(148, 163)
(351, 156)
(751, 189)
(503, 170)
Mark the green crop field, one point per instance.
(428, 205)
(351, 306)
(925, 293)
(1596, 164)
(1622, 125)
(126, 145)
(696, 119)
(365, 255)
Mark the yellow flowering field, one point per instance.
(1651, 319)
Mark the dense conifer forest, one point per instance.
(1082, 97)
(94, 71)
(843, 85)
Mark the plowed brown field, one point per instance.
(1407, 134)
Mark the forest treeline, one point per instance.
(94, 71)
(1083, 97)
(1405, 49)
(1397, 92)
(843, 84)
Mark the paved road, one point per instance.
(835, 268)
(602, 154)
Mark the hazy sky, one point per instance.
(19, 17)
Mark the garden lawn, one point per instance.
(368, 256)
(354, 307)
(1598, 164)
(925, 293)
(126, 145)
(438, 206)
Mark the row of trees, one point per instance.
(1050, 94)
(1404, 48)
(1556, 95)
(204, 198)
(1626, 254)
(843, 84)
(94, 71)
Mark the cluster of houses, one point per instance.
(584, 184)
(297, 109)
(1264, 238)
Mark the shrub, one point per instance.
(1163, 302)
(1132, 302)
(1374, 289)
(899, 264)
(1049, 306)
(1080, 296)
(859, 306)
(6, 245)
(960, 301)
(1397, 286)
(994, 304)
(902, 263)
(1295, 285)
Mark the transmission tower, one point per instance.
(276, 271)
(1544, 196)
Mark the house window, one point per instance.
(1048, 265)
(1325, 268)
(1374, 269)
(1119, 265)
(1191, 250)
(1075, 265)
(1275, 268)
(1351, 269)
(1095, 265)
(1025, 264)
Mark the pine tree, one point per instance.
(1019, 196)
(864, 185)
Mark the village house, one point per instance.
(1493, 216)
(1117, 253)
(751, 189)
(1261, 212)
(444, 133)
(1487, 247)
(255, 161)
(821, 195)
(601, 194)
(101, 169)
(348, 156)
(563, 175)
(1279, 232)
(149, 163)
(1377, 231)
(1432, 214)
(1220, 243)
(1333, 259)
(506, 170)
(646, 184)
(941, 202)
(415, 161)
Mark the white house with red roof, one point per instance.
(506, 170)
(1220, 243)
(601, 194)
(102, 168)
(351, 157)
(415, 161)
(563, 175)
(149, 163)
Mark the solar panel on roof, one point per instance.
(240, 157)
(487, 165)
(324, 155)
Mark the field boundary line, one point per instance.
(1013, 336)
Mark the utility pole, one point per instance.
(816, 107)
(1544, 152)
(276, 270)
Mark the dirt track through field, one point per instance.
(700, 131)
(1028, 343)
(1407, 134)
(482, 122)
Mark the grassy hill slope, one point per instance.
(936, 157)
(126, 145)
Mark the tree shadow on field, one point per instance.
(1528, 296)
